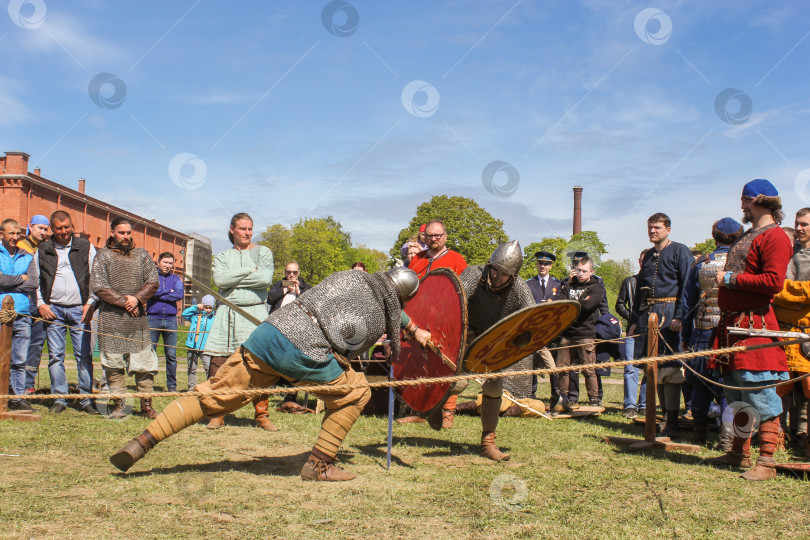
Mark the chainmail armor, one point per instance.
(353, 309)
(485, 308)
(126, 274)
(707, 315)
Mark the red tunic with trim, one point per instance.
(453, 260)
(759, 262)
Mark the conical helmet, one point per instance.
(405, 282)
(508, 258)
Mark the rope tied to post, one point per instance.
(7, 315)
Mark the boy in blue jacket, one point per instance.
(201, 318)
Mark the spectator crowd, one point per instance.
(118, 298)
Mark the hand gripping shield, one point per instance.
(440, 307)
(518, 335)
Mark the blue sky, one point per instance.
(191, 111)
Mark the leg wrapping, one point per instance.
(179, 414)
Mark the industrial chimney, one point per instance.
(577, 209)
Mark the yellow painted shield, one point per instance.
(518, 335)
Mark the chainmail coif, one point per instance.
(485, 308)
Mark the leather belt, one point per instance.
(308, 312)
(662, 300)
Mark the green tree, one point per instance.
(706, 247)
(613, 273)
(553, 244)
(321, 247)
(374, 259)
(279, 239)
(471, 230)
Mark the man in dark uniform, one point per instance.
(544, 288)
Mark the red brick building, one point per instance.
(24, 194)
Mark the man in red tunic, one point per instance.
(437, 255)
(753, 275)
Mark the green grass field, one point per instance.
(240, 482)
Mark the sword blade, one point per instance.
(222, 299)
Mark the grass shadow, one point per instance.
(439, 447)
(261, 465)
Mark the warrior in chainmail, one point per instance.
(306, 341)
(701, 316)
(124, 278)
(494, 291)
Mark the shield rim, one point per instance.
(462, 342)
(472, 345)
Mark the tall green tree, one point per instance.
(471, 230)
(320, 246)
(278, 238)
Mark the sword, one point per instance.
(223, 300)
(757, 332)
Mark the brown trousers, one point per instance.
(216, 363)
(585, 352)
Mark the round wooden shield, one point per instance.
(518, 335)
(441, 308)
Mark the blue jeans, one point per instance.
(57, 341)
(158, 328)
(632, 398)
(34, 353)
(20, 338)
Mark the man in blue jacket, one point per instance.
(19, 278)
(162, 312)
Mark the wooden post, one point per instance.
(652, 378)
(6, 330)
(6, 334)
(650, 441)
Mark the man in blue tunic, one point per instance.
(307, 341)
(659, 290)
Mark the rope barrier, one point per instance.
(3, 313)
(711, 352)
(327, 389)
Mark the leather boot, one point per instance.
(739, 456)
(489, 449)
(320, 467)
(468, 407)
(670, 426)
(700, 431)
(216, 423)
(726, 437)
(133, 451)
(262, 420)
(768, 440)
(147, 410)
(119, 411)
(449, 411)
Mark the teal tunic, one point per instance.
(274, 349)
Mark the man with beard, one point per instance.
(792, 309)
(124, 278)
(754, 272)
(437, 255)
(659, 290)
(493, 291)
(307, 341)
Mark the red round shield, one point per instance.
(441, 308)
